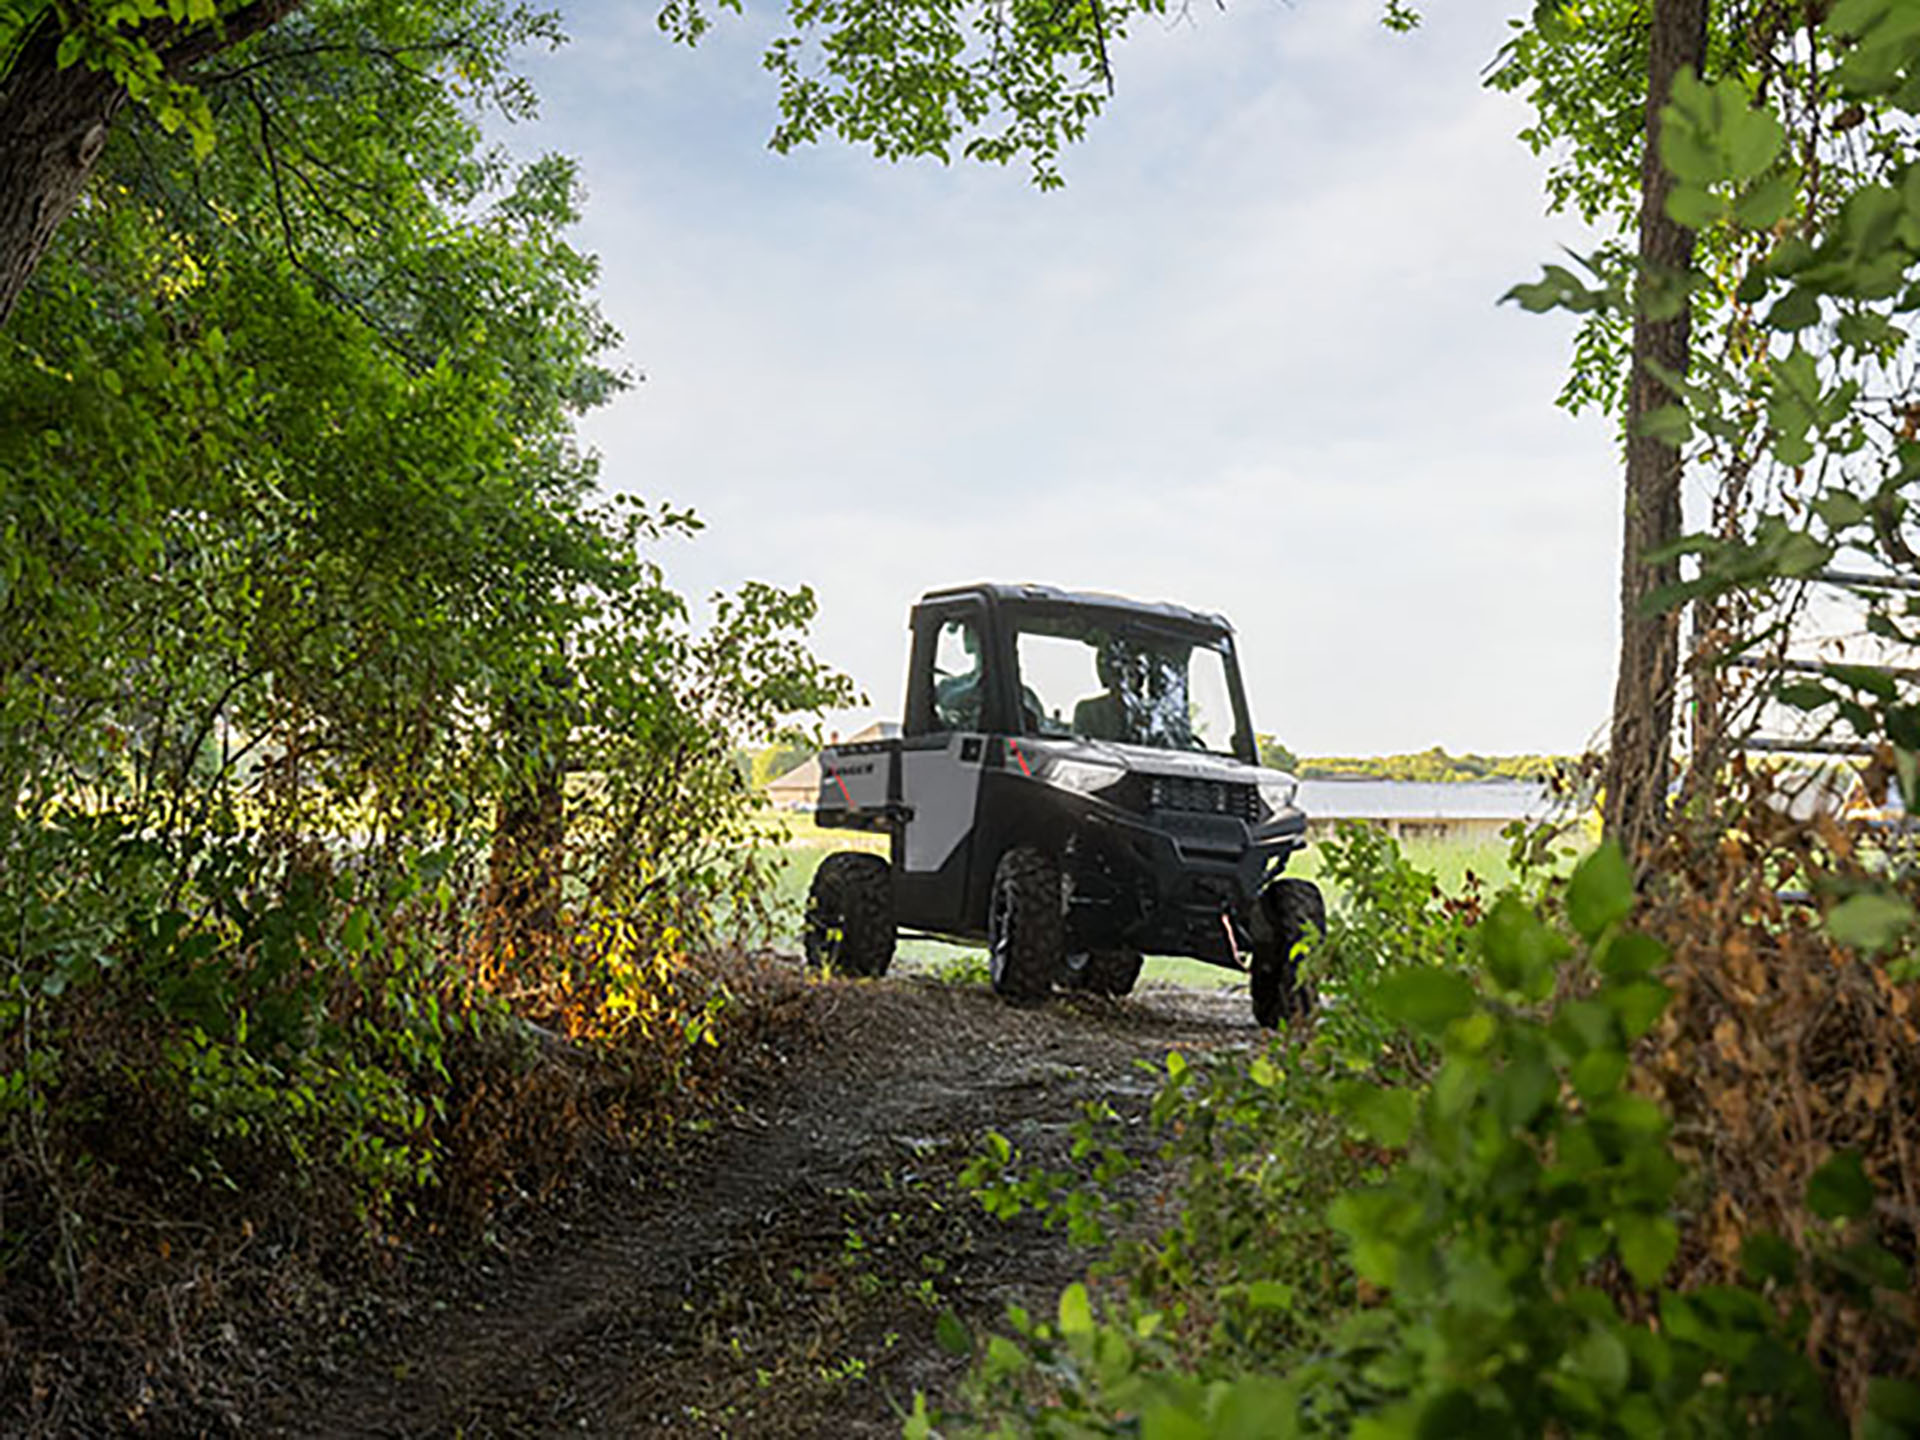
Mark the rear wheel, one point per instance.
(1104, 972)
(849, 924)
(1026, 925)
(1284, 914)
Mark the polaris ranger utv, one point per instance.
(1076, 784)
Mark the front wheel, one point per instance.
(849, 925)
(1026, 924)
(1285, 913)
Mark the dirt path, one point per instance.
(787, 1278)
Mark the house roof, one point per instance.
(804, 776)
(1367, 799)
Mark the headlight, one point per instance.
(1277, 794)
(1083, 777)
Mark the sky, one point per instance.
(1250, 360)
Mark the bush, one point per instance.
(1504, 1238)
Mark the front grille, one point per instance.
(1204, 797)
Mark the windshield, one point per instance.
(1103, 679)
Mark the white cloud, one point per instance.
(1250, 359)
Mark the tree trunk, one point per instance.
(1639, 757)
(522, 906)
(53, 125)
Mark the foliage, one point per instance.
(1433, 765)
(992, 82)
(301, 573)
(1392, 914)
(1483, 1244)
(1792, 160)
(1274, 755)
(1783, 1057)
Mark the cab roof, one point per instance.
(1053, 597)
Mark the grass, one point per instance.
(804, 845)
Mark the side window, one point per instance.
(958, 679)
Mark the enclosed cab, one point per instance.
(1076, 784)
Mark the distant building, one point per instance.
(800, 786)
(1422, 809)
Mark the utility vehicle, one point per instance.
(1076, 784)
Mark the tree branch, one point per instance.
(180, 51)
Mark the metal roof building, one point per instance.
(1470, 809)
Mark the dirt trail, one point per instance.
(785, 1276)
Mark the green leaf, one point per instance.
(1633, 1117)
(1637, 1005)
(1714, 133)
(1558, 289)
(1754, 136)
(1004, 1357)
(1647, 1244)
(1602, 1359)
(1869, 921)
(1768, 202)
(1684, 146)
(1601, 891)
(1695, 207)
(1893, 1410)
(1791, 256)
(1598, 1072)
(1869, 331)
(1861, 677)
(1170, 1422)
(1521, 1090)
(1377, 1224)
(953, 1337)
(1270, 1295)
(1795, 310)
(1803, 694)
(1628, 955)
(1423, 997)
(1384, 1114)
(1520, 949)
(1670, 424)
(1873, 1265)
(1765, 1256)
(1840, 1189)
(1076, 1311)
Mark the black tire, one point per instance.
(849, 925)
(1284, 913)
(1026, 925)
(1104, 972)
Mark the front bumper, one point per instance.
(1174, 883)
